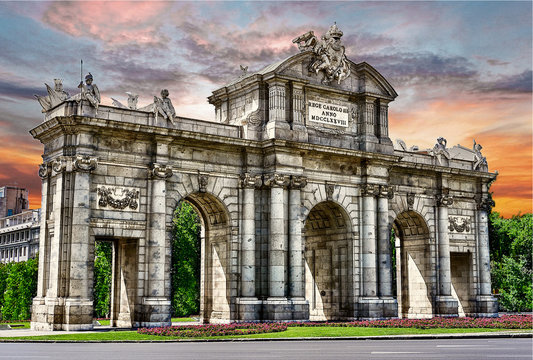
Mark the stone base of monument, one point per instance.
(248, 309)
(283, 309)
(155, 312)
(374, 307)
(487, 306)
(446, 306)
(62, 314)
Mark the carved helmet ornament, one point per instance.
(329, 54)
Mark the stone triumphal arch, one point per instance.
(299, 189)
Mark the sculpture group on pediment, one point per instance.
(329, 54)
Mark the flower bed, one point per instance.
(192, 331)
(503, 322)
(214, 330)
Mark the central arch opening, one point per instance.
(214, 253)
(413, 277)
(328, 255)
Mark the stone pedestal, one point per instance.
(446, 305)
(487, 306)
(155, 311)
(248, 309)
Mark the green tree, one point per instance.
(4, 273)
(20, 288)
(102, 278)
(511, 249)
(185, 268)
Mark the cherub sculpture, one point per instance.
(55, 96)
(90, 92)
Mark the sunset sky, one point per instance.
(463, 70)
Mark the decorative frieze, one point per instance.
(59, 164)
(277, 180)
(161, 171)
(460, 224)
(251, 181)
(118, 198)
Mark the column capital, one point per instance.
(160, 171)
(85, 163)
(250, 181)
(484, 203)
(386, 191)
(444, 198)
(370, 190)
(298, 182)
(277, 180)
(44, 170)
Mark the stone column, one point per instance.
(39, 316)
(249, 183)
(446, 304)
(385, 264)
(79, 304)
(368, 239)
(156, 303)
(487, 304)
(248, 306)
(277, 253)
(296, 248)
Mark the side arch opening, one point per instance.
(213, 257)
(328, 259)
(413, 268)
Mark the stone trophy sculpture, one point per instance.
(90, 92)
(55, 96)
(329, 53)
(132, 101)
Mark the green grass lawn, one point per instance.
(183, 319)
(290, 333)
(21, 325)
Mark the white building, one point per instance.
(19, 236)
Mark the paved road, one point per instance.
(450, 349)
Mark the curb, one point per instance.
(384, 337)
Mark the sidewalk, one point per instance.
(5, 336)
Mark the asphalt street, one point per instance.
(495, 348)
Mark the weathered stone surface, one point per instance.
(296, 212)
